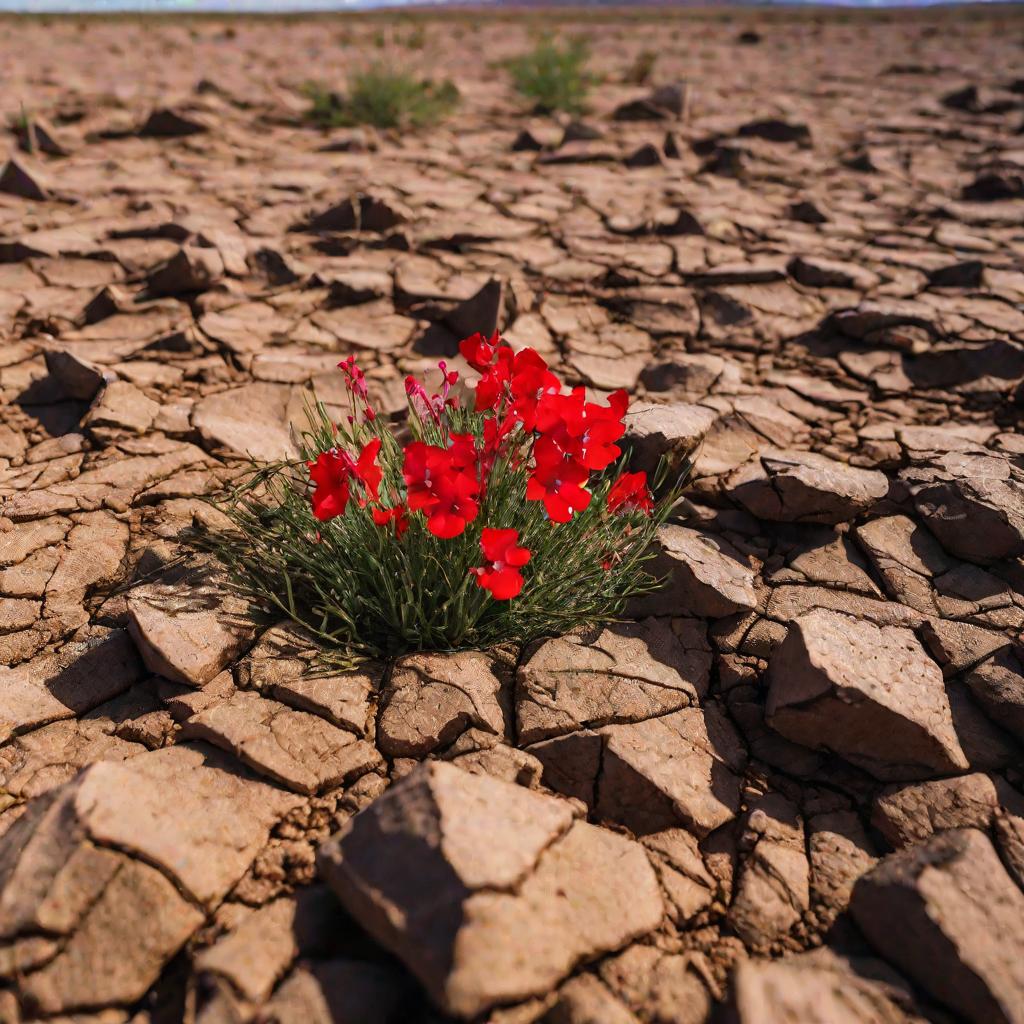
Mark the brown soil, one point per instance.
(790, 791)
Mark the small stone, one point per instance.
(432, 698)
(673, 431)
(705, 575)
(121, 406)
(869, 693)
(489, 893)
(626, 673)
(959, 927)
(17, 178)
(804, 487)
(184, 645)
(300, 750)
(167, 123)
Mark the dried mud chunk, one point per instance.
(300, 750)
(74, 375)
(77, 679)
(433, 698)
(119, 949)
(192, 269)
(773, 891)
(810, 986)
(257, 953)
(998, 686)
(804, 487)
(626, 673)
(122, 406)
(705, 575)
(913, 813)
(868, 693)
(948, 915)
(251, 420)
(488, 892)
(189, 809)
(168, 123)
(18, 178)
(180, 642)
(974, 504)
(674, 432)
(283, 665)
(679, 769)
(340, 991)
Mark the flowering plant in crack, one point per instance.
(503, 517)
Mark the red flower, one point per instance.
(584, 429)
(367, 472)
(438, 486)
(463, 451)
(396, 515)
(333, 473)
(356, 383)
(478, 351)
(630, 491)
(558, 482)
(501, 576)
(530, 382)
(493, 385)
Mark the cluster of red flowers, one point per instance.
(527, 420)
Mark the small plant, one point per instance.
(417, 37)
(554, 77)
(639, 72)
(507, 521)
(383, 98)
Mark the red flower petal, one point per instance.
(503, 584)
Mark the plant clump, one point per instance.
(504, 517)
(384, 98)
(554, 76)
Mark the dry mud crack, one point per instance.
(789, 789)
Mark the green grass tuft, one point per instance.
(554, 77)
(382, 98)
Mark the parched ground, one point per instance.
(790, 791)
